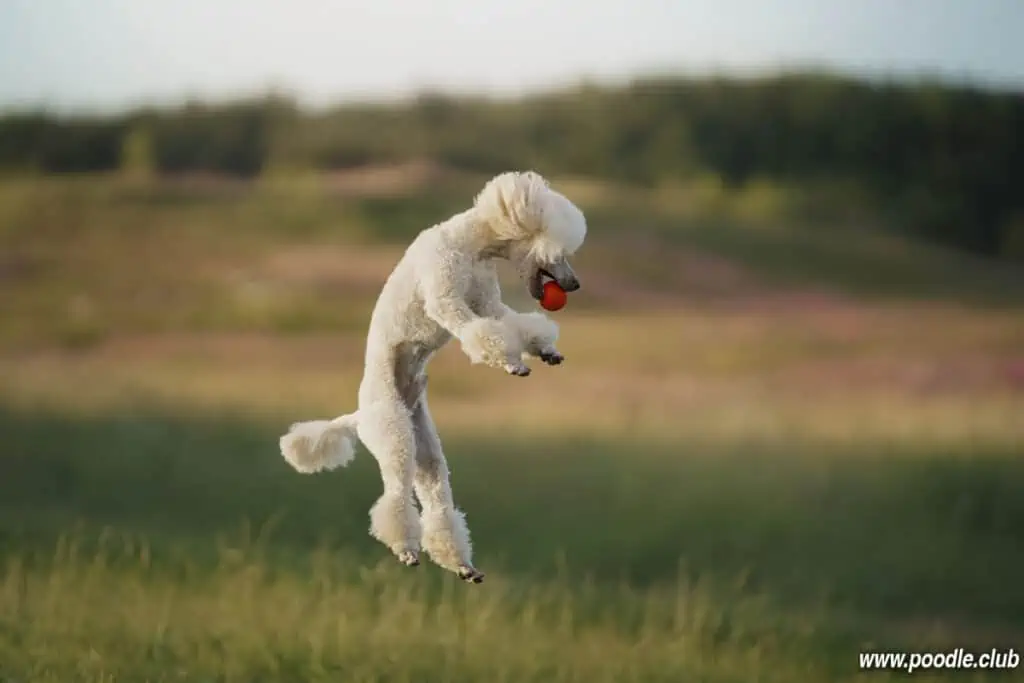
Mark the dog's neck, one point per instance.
(481, 241)
(494, 250)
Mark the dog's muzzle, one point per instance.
(561, 273)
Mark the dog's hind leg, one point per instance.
(386, 428)
(445, 533)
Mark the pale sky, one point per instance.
(104, 54)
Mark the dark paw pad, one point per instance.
(409, 558)
(552, 358)
(470, 575)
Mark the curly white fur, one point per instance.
(444, 287)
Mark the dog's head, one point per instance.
(534, 227)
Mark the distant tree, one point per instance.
(137, 156)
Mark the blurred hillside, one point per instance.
(926, 159)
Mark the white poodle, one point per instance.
(445, 286)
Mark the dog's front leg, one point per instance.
(489, 341)
(537, 334)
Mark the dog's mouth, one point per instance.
(539, 278)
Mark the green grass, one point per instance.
(152, 547)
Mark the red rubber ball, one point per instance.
(554, 296)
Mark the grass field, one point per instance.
(765, 453)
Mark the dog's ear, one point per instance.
(502, 206)
(530, 190)
(538, 179)
(516, 200)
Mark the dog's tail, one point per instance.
(320, 444)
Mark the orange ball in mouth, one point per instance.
(554, 296)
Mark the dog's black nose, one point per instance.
(570, 284)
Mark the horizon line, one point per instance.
(396, 96)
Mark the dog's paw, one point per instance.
(517, 369)
(410, 558)
(551, 357)
(470, 575)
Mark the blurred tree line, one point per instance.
(950, 159)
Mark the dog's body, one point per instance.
(445, 286)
